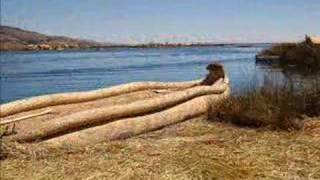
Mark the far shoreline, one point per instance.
(143, 46)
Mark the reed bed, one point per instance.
(275, 105)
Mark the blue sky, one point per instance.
(136, 21)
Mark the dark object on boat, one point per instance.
(215, 72)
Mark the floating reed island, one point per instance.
(83, 118)
(304, 55)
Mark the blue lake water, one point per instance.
(26, 74)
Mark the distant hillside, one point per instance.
(15, 39)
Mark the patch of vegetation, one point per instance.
(303, 56)
(195, 149)
(278, 49)
(277, 106)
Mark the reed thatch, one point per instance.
(179, 102)
(103, 115)
(133, 126)
(77, 97)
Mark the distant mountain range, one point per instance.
(16, 39)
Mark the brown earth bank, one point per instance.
(16, 39)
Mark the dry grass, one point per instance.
(195, 149)
(278, 106)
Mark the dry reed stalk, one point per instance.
(77, 97)
(104, 115)
(133, 126)
(25, 117)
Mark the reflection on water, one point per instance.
(25, 74)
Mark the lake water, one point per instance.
(26, 74)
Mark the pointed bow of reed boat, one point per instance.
(82, 118)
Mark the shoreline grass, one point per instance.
(276, 105)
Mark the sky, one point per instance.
(143, 21)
